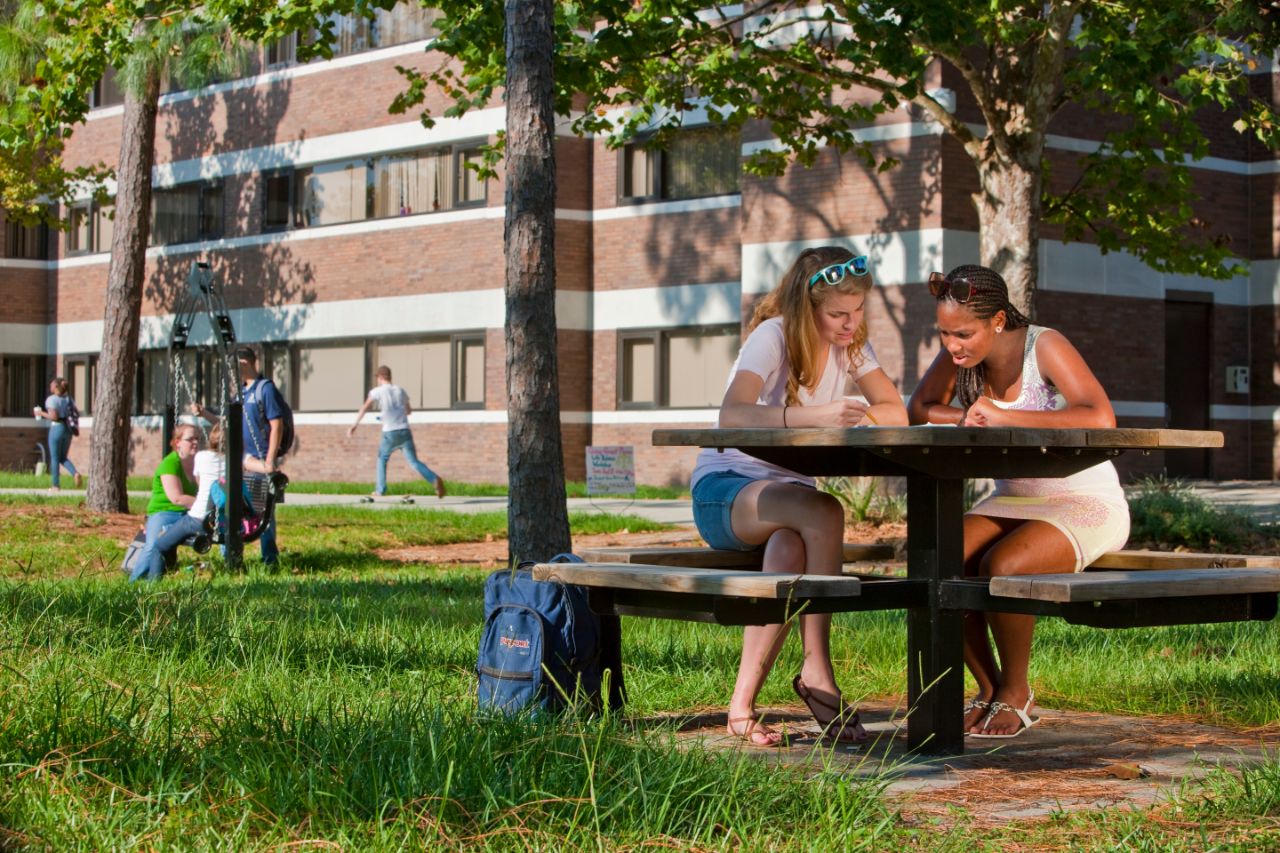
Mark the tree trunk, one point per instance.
(1009, 222)
(537, 517)
(113, 402)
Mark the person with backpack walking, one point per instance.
(64, 424)
(808, 340)
(393, 403)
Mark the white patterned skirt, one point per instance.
(1091, 510)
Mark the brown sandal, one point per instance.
(840, 725)
(754, 727)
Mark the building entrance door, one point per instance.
(1186, 380)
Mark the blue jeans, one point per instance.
(267, 542)
(713, 498)
(59, 446)
(391, 441)
(151, 561)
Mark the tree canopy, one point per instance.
(1149, 73)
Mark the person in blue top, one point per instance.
(57, 408)
(264, 433)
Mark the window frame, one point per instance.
(659, 166)
(457, 341)
(295, 369)
(41, 239)
(660, 338)
(201, 187)
(39, 390)
(291, 196)
(84, 401)
(654, 336)
(460, 172)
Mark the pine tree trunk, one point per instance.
(537, 517)
(1009, 223)
(113, 401)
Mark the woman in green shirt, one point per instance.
(173, 490)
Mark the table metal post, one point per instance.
(935, 637)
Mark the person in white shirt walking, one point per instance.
(393, 403)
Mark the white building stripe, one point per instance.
(24, 338)
(665, 307)
(270, 78)
(1138, 409)
(909, 256)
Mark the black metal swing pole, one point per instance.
(234, 439)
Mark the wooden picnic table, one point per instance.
(936, 461)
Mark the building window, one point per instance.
(468, 372)
(152, 382)
(440, 373)
(403, 184)
(389, 185)
(92, 227)
(277, 193)
(471, 187)
(695, 164)
(82, 377)
(332, 193)
(187, 213)
(675, 368)
(330, 377)
(354, 33)
(24, 385)
(27, 242)
(282, 52)
(106, 92)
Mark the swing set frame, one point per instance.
(203, 298)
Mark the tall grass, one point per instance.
(249, 713)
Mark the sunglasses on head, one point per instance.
(835, 273)
(957, 287)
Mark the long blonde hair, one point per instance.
(795, 301)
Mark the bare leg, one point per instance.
(784, 552)
(760, 510)
(980, 533)
(1034, 547)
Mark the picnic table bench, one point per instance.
(1127, 589)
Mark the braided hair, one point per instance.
(990, 296)
(794, 300)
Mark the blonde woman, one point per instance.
(808, 340)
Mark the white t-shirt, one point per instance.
(209, 469)
(392, 402)
(765, 355)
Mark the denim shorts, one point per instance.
(713, 509)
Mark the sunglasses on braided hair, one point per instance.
(956, 287)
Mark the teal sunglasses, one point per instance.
(835, 273)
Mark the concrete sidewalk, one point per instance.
(677, 511)
(1259, 498)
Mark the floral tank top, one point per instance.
(1038, 394)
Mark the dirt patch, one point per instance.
(74, 519)
(1070, 761)
(493, 551)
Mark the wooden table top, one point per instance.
(943, 452)
(940, 436)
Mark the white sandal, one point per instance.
(996, 707)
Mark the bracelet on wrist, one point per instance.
(784, 417)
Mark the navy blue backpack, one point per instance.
(542, 645)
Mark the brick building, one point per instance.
(346, 237)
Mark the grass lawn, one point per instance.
(573, 489)
(331, 704)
